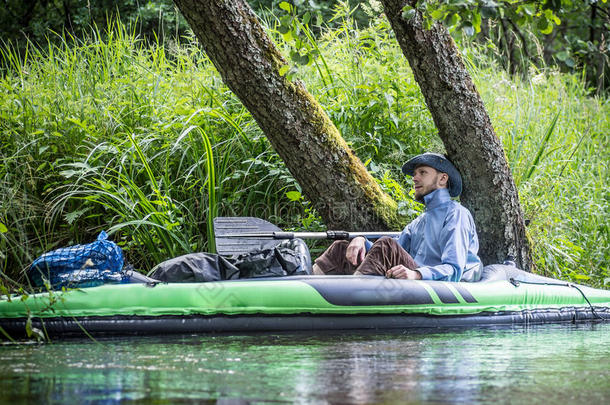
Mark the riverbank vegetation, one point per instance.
(145, 141)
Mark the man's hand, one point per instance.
(401, 271)
(356, 251)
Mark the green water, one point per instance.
(539, 364)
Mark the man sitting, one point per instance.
(440, 244)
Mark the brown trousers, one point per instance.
(383, 255)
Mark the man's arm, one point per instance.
(356, 250)
(401, 271)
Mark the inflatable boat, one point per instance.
(505, 296)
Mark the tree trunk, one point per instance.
(331, 176)
(466, 131)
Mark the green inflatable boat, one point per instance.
(304, 303)
(503, 296)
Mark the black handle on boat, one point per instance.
(337, 235)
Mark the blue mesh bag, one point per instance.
(78, 266)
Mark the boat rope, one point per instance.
(595, 314)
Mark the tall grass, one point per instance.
(148, 143)
(141, 141)
(556, 139)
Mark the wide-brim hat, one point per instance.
(440, 163)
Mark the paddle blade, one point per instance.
(228, 244)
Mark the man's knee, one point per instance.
(339, 243)
(332, 261)
(384, 241)
(337, 246)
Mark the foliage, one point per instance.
(468, 15)
(110, 133)
(32, 20)
(295, 31)
(569, 33)
(556, 141)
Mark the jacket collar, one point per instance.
(436, 198)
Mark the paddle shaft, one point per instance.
(332, 235)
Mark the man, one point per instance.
(440, 244)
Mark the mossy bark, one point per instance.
(467, 133)
(331, 176)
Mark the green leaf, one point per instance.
(283, 70)
(4, 291)
(489, 12)
(548, 30)
(543, 144)
(570, 62)
(74, 215)
(529, 9)
(428, 23)
(295, 56)
(389, 99)
(373, 167)
(286, 6)
(3, 228)
(395, 120)
(542, 23)
(293, 195)
(453, 20)
(306, 18)
(476, 21)
(437, 14)
(408, 12)
(319, 18)
(287, 36)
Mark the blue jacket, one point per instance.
(443, 240)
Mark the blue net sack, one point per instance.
(87, 265)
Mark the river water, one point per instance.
(535, 364)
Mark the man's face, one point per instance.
(426, 179)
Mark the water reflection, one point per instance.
(535, 364)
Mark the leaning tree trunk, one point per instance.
(466, 131)
(331, 176)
